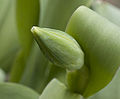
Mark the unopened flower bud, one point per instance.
(60, 48)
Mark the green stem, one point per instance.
(18, 67)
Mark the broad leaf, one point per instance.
(57, 90)
(15, 91)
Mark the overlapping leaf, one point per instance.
(15, 91)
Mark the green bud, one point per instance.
(59, 48)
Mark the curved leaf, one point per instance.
(2, 75)
(59, 91)
(4, 8)
(58, 12)
(100, 41)
(107, 10)
(9, 43)
(112, 91)
(27, 15)
(15, 91)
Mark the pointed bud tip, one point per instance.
(33, 29)
(37, 30)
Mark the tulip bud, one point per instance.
(59, 48)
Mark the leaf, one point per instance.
(111, 91)
(58, 12)
(9, 43)
(15, 91)
(4, 8)
(108, 11)
(57, 90)
(27, 15)
(2, 75)
(37, 70)
(100, 41)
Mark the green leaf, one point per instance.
(108, 11)
(18, 67)
(100, 41)
(112, 91)
(4, 8)
(57, 90)
(2, 75)
(15, 91)
(9, 43)
(27, 15)
(36, 72)
(58, 12)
